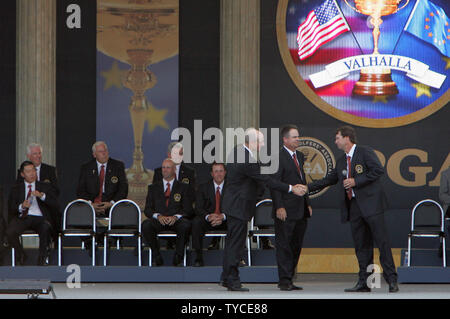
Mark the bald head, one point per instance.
(168, 169)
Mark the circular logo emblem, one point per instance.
(359, 169)
(177, 197)
(319, 161)
(363, 77)
(185, 180)
(114, 179)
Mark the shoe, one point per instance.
(267, 244)
(285, 287)
(393, 286)
(157, 261)
(199, 263)
(294, 287)
(223, 284)
(177, 261)
(359, 287)
(242, 263)
(43, 260)
(214, 244)
(240, 288)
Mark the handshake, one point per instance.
(299, 189)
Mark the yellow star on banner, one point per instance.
(421, 89)
(113, 77)
(380, 98)
(155, 118)
(447, 60)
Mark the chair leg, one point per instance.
(185, 253)
(13, 257)
(444, 254)
(93, 250)
(149, 257)
(409, 251)
(59, 250)
(105, 249)
(248, 251)
(139, 251)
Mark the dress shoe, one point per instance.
(239, 288)
(294, 287)
(393, 286)
(177, 260)
(242, 263)
(267, 244)
(157, 261)
(43, 260)
(198, 263)
(223, 284)
(359, 287)
(285, 287)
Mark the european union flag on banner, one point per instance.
(430, 23)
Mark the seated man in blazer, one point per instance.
(32, 206)
(102, 180)
(45, 173)
(167, 207)
(208, 209)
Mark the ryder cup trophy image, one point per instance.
(376, 81)
(138, 33)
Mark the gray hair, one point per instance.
(98, 143)
(33, 145)
(251, 134)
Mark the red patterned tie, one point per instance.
(217, 210)
(349, 175)
(98, 199)
(167, 194)
(25, 210)
(294, 157)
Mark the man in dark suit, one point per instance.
(45, 173)
(168, 207)
(32, 205)
(290, 212)
(244, 178)
(183, 173)
(362, 202)
(208, 208)
(102, 180)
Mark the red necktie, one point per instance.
(217, 210)
(25, 210)
(98, 199)
(167, 194)
(294, 157)
(349, 175)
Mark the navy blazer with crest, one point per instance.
(366, 170)
(116, 184)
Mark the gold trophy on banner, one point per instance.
(376, 80)
(139, 33)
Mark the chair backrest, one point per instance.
(263, 214)
(125, 214)
(427, 214)
(79, 214)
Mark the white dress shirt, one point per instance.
(350, 154)
(34, 209)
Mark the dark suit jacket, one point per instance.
(243, 182)
(205, 200)
(366, 170)
(48, 207)
(116, 184)
(186, 176)
(296, 206)
(47, 174)
(180, 202)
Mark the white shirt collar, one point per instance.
(352, 151)
(33, 185)
(290, 152)
(220, 186)
(165, 183)
(251, 153)
(99, 165)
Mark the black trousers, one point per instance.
(36, 223)
(234, 243)
(199, 227)
(366, 231)
(151, 227)
(288, 243)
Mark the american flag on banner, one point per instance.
(322, 25)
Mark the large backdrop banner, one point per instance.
(137, 84)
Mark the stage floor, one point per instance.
(316, 286)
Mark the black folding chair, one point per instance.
(26, 234)
(78, 221)
(263, 218)
(427, 220)
(124, 221)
